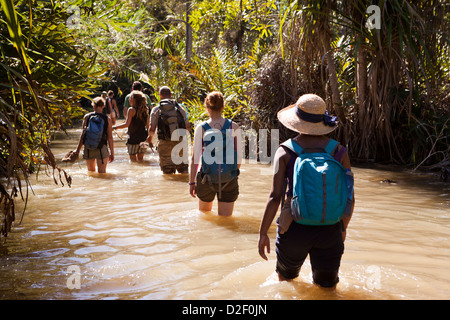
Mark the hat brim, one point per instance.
(288, 117)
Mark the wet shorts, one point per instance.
(166, 162)
(323, 244)
(135, 149)
(208, 191)
(89, 154)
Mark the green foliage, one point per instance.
(390, 87)
(263, 54)
(44, 72)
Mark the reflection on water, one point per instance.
(134, 233)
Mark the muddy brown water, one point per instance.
(134, 233)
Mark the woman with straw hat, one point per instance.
(325, 244)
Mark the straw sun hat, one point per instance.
(308, 115)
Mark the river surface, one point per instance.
(134, 233)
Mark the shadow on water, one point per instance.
(236, 223)
(107, 175)
(308, 291)
(179, 177)
(260, 281)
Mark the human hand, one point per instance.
(193, 190)
(75, 154)
(264, 242)
(71, 156)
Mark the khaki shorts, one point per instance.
(89, 154)
(165, 157)
(207, 191)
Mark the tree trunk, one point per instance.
(361, 65)
(188, 32)
(361, 83)
(335, 94)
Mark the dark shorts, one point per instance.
(208, 191)
(323, 244)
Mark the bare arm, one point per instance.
(80, 141)
(147, 122)
(115, 107)
(238, 140)
(152, 126)
(110, 140)
(345, 161)
(195, 161)
(280, 161)
(126, 124)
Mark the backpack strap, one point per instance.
(331, 146)
(206, 126)
(104, 140)
(339, 154)
(178, 108)
(89, 115)
(226, 125)
(294, 150)
(292, 145)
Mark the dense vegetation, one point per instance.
(389, 85)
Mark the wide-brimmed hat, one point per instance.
(308, 115)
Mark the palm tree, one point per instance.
(38, 95)
(394, 92)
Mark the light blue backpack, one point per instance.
(219, 160)
(322, 187)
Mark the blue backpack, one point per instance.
(322, 188)
(220, 163)
(95, 136)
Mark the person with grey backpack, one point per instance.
(165, 119)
